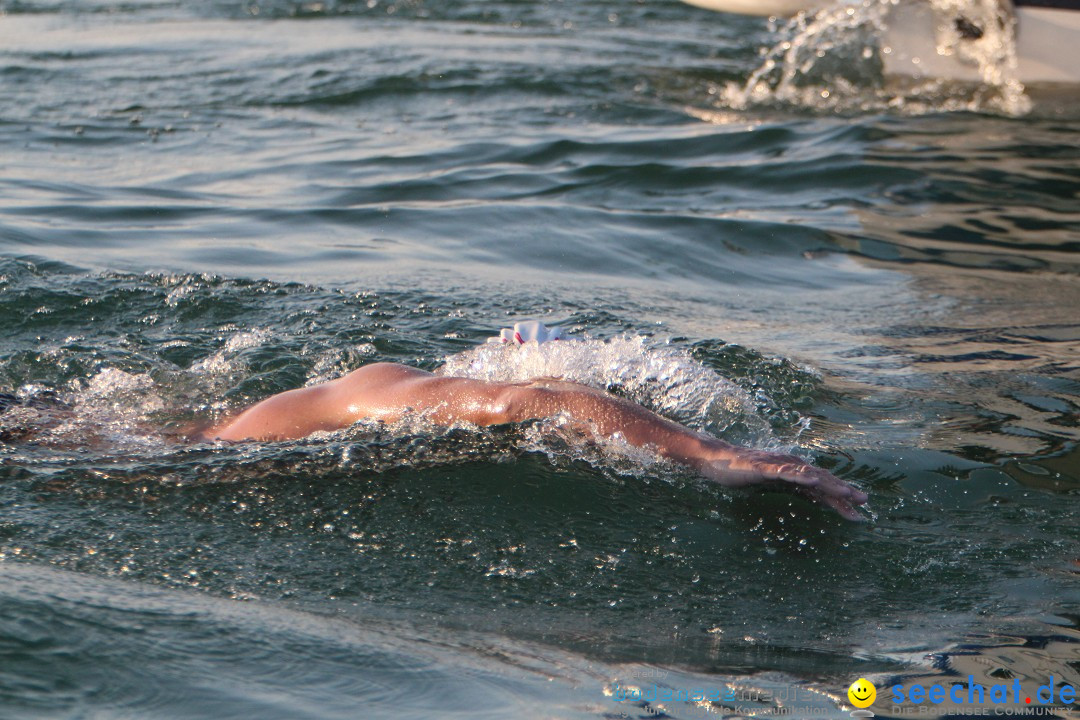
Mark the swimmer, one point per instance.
(389, 391)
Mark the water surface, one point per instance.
(203, 205)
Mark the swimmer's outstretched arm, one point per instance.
(387, 391)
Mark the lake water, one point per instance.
(204, 203)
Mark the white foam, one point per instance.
(225, 363)
(664, 378)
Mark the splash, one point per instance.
(112, 409)
(226, 363)
(335, 362)
(837, 59)
(981, 33)
(121, 413)
(664, 378)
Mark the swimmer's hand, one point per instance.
(735, 467)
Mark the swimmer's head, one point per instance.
(527, 331)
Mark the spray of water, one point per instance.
(836, 59)
(120, 414)
(982, 34)
(664, 378)
(661, 377)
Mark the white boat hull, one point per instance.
(1047, 41)
(763, 8)
(1047, 46)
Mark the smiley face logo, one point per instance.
(862, 693)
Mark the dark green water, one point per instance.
(202, 204)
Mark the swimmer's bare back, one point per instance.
(388, 391)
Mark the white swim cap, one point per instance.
(527, 331)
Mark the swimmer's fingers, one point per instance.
(843, 507)
(817, 481)
(753, 467)
(823, 487)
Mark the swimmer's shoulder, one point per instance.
(374, 384)
(384, 372)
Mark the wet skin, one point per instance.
(389, 391)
